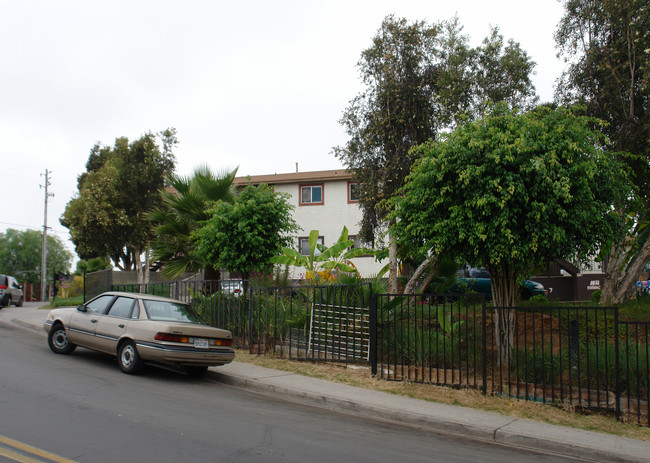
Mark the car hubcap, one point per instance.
(60, 340)
(127, 356)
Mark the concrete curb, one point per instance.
(505, 430)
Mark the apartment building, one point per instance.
(324, 201)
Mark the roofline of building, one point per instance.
(295, 177)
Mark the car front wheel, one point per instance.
(58, 340)
(20, 302)
(128, 358)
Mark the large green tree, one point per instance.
(20, 254)
(511, 192)
(606, 45)
(420, 80)
(244, 235)
(184, 206)
(107, 217)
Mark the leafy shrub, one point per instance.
(598, 367)
(595, 296)
(537, 366)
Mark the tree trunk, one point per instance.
(621, 275)
(147, 264)
(430, 265)
(138, 269)
(392, 263)
(504, 297)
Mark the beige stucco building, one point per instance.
(324, 201)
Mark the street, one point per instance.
(82, 407)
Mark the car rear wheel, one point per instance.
(58, 340)
(128, 358)
(20, 302)
(195, 371)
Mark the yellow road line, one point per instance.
(28, 449)
(17, 456)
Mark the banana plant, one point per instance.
(321, 266)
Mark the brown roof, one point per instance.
(295, 177)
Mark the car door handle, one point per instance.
(93, 321)
(120, 325)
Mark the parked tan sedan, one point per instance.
(139, 328)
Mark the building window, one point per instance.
(352, 192)
(303, 245)
(312, 195)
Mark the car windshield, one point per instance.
(171, 311)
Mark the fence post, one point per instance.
(250, 320)
(484, 346)
(373, 333)
(574, 350)
(84, 275)
(617, 371)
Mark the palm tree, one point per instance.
(185, 203)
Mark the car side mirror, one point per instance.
(82, 308)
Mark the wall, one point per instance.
(568, 288)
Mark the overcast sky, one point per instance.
(255, 84)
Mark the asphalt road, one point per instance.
(83, 408)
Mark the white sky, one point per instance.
(255, 84)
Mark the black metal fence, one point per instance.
(577, 356)
(633, 374)
(430, 339)
(328, 323)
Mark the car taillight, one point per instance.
(3, 286)
(223, 342)
(171, 338)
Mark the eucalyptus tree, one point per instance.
(421, 79)
(606, 45)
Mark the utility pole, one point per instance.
(44, 249)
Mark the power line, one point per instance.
(38, 228)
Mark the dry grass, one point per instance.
(360, 377)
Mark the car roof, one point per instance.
(149, 297)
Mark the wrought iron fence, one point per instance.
(430, 338)
(328, 323)
(633, 373)
(580, 356)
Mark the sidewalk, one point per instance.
(448, 419)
